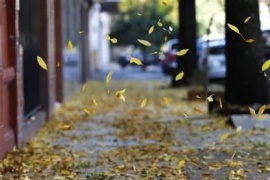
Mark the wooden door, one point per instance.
(7, 84)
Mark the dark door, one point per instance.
(7, 81)
(29, 38)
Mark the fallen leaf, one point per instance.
(247, 19)
(159, 23)
(119, 94)
(70, 45)
(266, 65)
(252, 111)
(179, 76)
(150, 31)
(181, 163)
(239, 129)
(135, 60)
(209, 98)
(109, 77)
(42, 63)
(88, 112)
(83, 88)
(249, 40)
(261, 110)
(220, 103)
(95, 102)
(114, 40)
(167, 100)
(65, 127)
(143, 104)
(182, 52)
(234, 28)
(199, 110)
(224, 136)
(144, 42)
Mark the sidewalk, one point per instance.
(169, 138)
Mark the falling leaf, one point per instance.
(252, 111)
(266, 65)
(151, 29)
(249, 40)
(58, 64)
(107, 37)
(224, 136)
(181, 163)
(143, 104)
(220, 103)
(167, 100)
(264, 74)
(65, 127)
(197, 96)
(139, 14)
(119, 94)
(83, 88)
(88, 112)
(247, 19)
(70, 46)
(114, 40)
(261, 110)
(209, 98)
(42, 63)
(170, 28)
(182, 52)
(234, 28)
(80, 32)
(95, 102)
(135, 60)
(185, 115)
(159, 23)
(165, 37)
(144, 42)
(164, 3)
(179, 76)
(239, 129)
(109, 77)
(199, 110)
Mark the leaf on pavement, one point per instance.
(181, 163)
(95, 102)
(249, 40)
(209, 98)
(224, 136)
(119, 94)
(42, 63)
(143, 104)
(167, 100)
(65, 127)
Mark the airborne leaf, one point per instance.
(135, 60)
(261, 110)
(82, 31)
(159, 23)
(151, 29)
(220, 103)
(83, 88)
(234, 28)
(170, 28)
(119, 94)
(252, 111)
(182, 52)
(143, 104)
(249, 40)
(107, 37)
(179, 76)
(65, 127)
(266, 65)
(86, 111)
(42, 63)
(209, 98)
(247, 19)
(224, 136)
(70, 45)
(164, 3)
(109, 77)
(144, 42)
(114, 40)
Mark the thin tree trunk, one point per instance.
(245, 84)
(187, 37)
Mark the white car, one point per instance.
(215, 58)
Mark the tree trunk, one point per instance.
(187, 38)
(245, 84)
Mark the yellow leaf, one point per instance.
(179, 76)
(266, 65)
(83, 88)
(143, 104)
(197, 96)
(70, 46)
(65, 127)
(182, 52)
(88, 112)
(247, 19)
(234, 28)
(151, 29)
(264, 74)
(135, 60)
(42, 63)
(209, 98)
(181, 163)
(224, 136)
(261, 110)
(167, 100)
(119, 94)
(185, 115)
(165, 37)
(159, 23)
(80, 32)
(199, 110)
(239, 129)
(249, 40)
(252, 111)
(263, 117)
(109, 77)
(164, 3)
(122, 98)
(95, 102)
(144, 42)
(107, 37)
(170, 28)
(220, 103)
(114, 40)
(58, 64)
(139, 14)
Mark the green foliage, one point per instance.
(135, 19)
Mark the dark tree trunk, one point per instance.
(245, 84)
(187, 37)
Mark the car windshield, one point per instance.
(217, 50)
